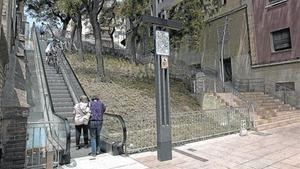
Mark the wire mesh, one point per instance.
(186, 127)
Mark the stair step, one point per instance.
(50, 73)
(59, 100)
(54, 76)
(277, 124)
(64, 109)
(270, 103)
(59, 92)
(58, 87)
(280, 113)
(63, 113)
(278, 118)
(56, 95)
(55, 80)
(63, 104)
(252, 93)
(52, 83)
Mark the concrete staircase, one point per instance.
(270, 112)
(61, 97)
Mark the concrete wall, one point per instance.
(280, 73)
(236, 43)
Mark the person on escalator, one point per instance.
(82, 114)
(97, 110)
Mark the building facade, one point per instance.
(277, 40)
(13, 98)
(226, 39)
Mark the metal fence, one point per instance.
(284, 93)
(41, 146)
(249, 85)
(186, 127)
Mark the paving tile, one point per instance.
(282, 154)
(192, 165)
(259, 163)
(146, 158)
(270, 167)
(293, 160)
(281, 150)
(242, 167)
(284, 166)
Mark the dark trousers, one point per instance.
(85, 134)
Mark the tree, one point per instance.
(108, 19)
(93, 8)
(132, 10)
(75, 9)
(192, 13)
(47, 11)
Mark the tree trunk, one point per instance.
(111, 34)
(98, 46)
(72, 36)
(79, 37)
(131, 46)
(65, 26)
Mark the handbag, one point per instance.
(86, 117)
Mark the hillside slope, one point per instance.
(130, 88)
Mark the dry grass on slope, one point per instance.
(130, 88)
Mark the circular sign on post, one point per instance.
(162, 43)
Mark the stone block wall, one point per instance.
(13, 134)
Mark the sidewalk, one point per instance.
(272, 149)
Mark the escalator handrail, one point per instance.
(65, 120)
(119, 117)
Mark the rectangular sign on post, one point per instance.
(164, 62)
(162, 43)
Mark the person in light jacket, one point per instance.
(81, 118)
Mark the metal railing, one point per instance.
(249, 85)
(113, 128)
(215, 85)
(281, 92)
(60, 128)
(40, 142)
(186, 127)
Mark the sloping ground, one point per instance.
(130, 88)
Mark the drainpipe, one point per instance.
(222, 51)
(248, 33)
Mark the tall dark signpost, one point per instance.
(162, 52)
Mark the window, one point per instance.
(281, 39)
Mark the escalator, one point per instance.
(61, 91)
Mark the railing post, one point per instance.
(50, 156)
(248, 85)
(284, 96)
